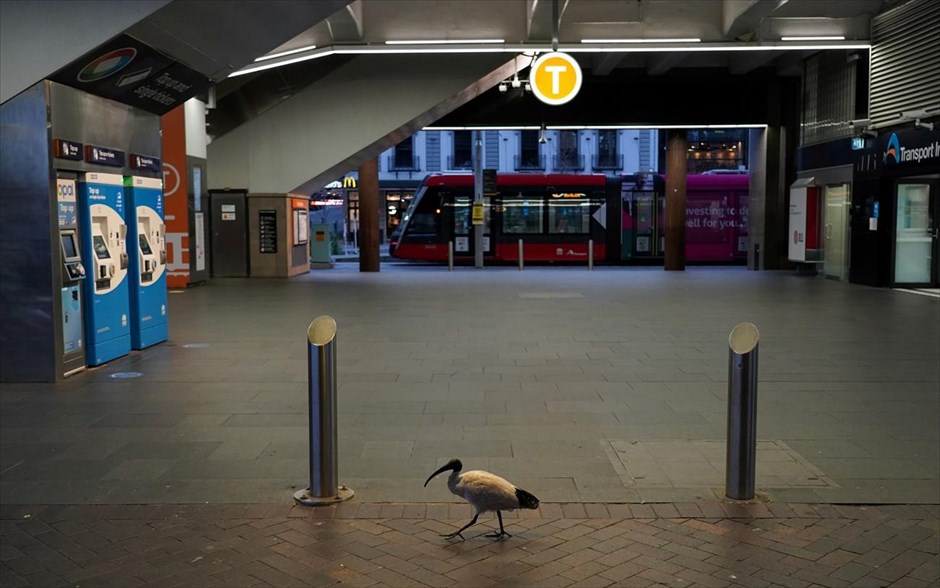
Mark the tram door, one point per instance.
(463, 229)
(643, 212)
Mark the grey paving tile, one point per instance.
(164, 451)
(462, 449)
(267, 420)
(139, 469)
(450, 366)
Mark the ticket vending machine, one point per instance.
(103, 234)
(147, 255)
(73, 273)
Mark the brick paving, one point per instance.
(711, 544)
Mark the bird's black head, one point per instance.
(526, 499)
(453, 464)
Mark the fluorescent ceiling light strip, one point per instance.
(272, 65)
(714, 48)
(286, 53)
(689, 40)
(817, 38)
(483, 128)
(521, 48)
(376, 50)
(447, 42)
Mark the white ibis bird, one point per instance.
(485, 492)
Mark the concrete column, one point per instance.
(369, 216)
(757, 190)
(676, 146)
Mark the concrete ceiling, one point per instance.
(216, 38)
(369, 24)
(521, 21)
(366, 25)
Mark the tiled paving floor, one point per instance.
(533, 375)
(601, 392)
(676, 545)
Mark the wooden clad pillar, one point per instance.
(369, 216)
(676, 146)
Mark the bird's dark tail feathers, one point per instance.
(526, 500)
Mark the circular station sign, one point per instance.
(555, 78)
(108, 64)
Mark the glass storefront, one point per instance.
(915, 237)
(836, 234)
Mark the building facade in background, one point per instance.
(593, 151)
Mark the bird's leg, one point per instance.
(502, 532)
(457, 533)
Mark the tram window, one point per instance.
(571, 215)
(423, 224)
(522, 214)
(424, 221)
(461, 205)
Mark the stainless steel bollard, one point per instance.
(741, 453)
(321, 362)
(591, 254)
(521, 262)
(450, 256)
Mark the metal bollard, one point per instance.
(591, 254)
(742, 412)
(450, 256)
(321, 362)
(521, 263)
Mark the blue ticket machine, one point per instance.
(103, 234)
(73, 274)
(146, 236)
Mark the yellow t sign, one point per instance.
(555, 78)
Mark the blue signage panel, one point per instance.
(104, 156)
(103, 232)
(910, 148)
(67, 150)
(147, 254)
(146, 162)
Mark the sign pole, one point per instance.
(478, 197)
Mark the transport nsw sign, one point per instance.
(555, 78)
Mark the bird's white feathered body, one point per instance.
(485, 492)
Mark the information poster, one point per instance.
(267, 228)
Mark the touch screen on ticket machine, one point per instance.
(145, 245)
(104, 266)
(101, 248)
(71, 259)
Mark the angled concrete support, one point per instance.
(364, 106)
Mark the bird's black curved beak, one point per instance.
(448, 466)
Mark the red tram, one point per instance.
(557, 215)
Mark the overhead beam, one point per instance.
(347, 117)
(604, 63)
(742, 17)
(745, 62)
(204, 35)
(660, 63)
(791, 63)
(345, 25)
(539, 25)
